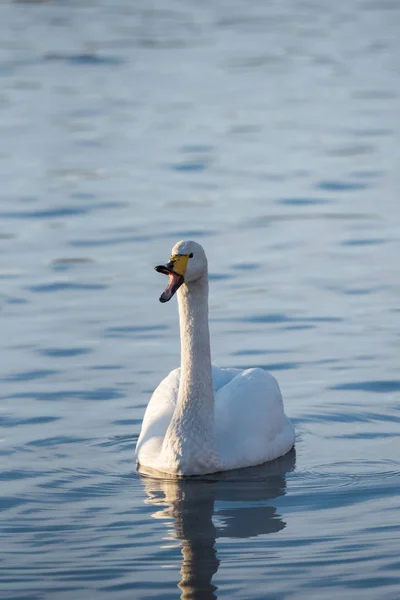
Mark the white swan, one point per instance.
(202, 419)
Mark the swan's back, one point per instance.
(250, 425)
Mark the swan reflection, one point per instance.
(187, 506)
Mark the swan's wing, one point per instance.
(221, 377)
(157, 417)
(251, 426)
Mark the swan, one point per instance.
(202, 419)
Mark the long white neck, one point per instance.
(190, 440)
(195, 390)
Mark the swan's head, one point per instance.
(188, 262)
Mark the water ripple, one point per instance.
(63, 352)
(60, 286)
(106, 393)
(6, 421)
(63, 211)
(30, 375)
(84, 59)
(303, 201)
(379, 387)
(340, 186)
(133, 330)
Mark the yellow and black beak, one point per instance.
(175, 269)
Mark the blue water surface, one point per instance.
(269, 132)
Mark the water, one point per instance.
(269, 132)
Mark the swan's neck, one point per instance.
(189, 444)
(195, 388)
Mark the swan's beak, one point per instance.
(174, 282)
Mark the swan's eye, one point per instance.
(191, 255)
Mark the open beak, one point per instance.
(174, 282)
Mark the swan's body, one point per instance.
(202, 419)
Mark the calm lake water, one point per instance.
(268, 132)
